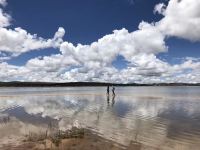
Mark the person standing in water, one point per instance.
(108, 90)
(108, 97)
(113, 91)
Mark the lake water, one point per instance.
(155, 117)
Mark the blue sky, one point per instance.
(84, 21)
(88, 21)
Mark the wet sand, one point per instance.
(90, 141)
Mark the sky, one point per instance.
(120, 41)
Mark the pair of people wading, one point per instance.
(113, 90)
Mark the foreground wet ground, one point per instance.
(89, 141)
(165, 118)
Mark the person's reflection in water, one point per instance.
(108, 99)
(113, 100)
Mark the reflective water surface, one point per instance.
(154, 117)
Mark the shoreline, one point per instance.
(87, 84)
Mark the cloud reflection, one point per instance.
(142, 119)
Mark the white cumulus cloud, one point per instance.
(3, 2)
(181, 19)
(17, 41)
(94, 62)
(4, 19)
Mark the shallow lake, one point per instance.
(154, 117)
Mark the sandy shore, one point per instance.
(90, 141)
